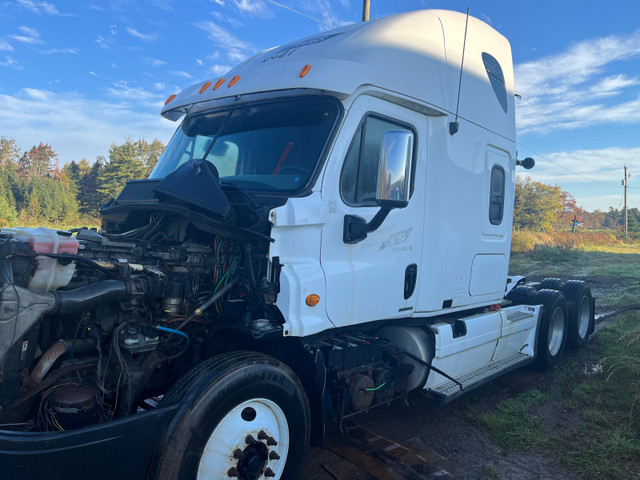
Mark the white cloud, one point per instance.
(4, 45)
(52, 51)
(145, 37)
(154, 62)
(181, 73)
(105, 43)
(570, 89)
(10, 62)
(604, 165)
(233, 20)
(39, 7)
(160, 86)
(166, 5)
(254, 8)
(219, 70)
(322, 11)
(70, 123)
(611, 86)
(123, 90)
(199, 62)
(593, 177)
(28, 35)
(236, 56)
(93, 74)
(223, 38)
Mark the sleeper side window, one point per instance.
(358, 180)
(496, 195)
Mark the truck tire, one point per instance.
(581, 318)
(552, 284)
(522, 295)
(553, 329)
(243, 415)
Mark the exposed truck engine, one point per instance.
(325, 233)
(119, 314)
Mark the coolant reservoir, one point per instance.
(50, 274)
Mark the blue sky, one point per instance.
(81, 75)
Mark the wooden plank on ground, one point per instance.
(385, 459)
(345, 470)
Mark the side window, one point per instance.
(496, 195)
(496, 77)
(358, 180)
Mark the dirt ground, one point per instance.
(449, 432)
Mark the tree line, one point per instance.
(543, 208)
(35, 190)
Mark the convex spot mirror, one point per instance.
(394, 172)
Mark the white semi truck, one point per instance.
(328, 229)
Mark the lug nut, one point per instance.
(233, 472)
(271, 442)
(238, 454)
(273, 455)
(249, 440)
(269, 473)
(262, 435)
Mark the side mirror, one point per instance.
(528, 163)
(394, 171)
(394, 184)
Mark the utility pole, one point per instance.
(365, 10)
(624, 184)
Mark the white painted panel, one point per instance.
(488, 275)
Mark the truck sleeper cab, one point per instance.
(323, 234)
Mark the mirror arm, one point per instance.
(356, 228)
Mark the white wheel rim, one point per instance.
(250, 418)
(556, 331)
(584, 317)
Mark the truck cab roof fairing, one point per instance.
(426, 43)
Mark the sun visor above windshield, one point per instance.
(196, 183)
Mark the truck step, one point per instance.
(450, 389)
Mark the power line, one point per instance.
(567, 169)
(565, 133)
(300, 13)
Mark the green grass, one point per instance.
(591, 403)
(607, 444)
(557, 260)
(512, 424)
(613, 271)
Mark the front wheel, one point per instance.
(243, 415)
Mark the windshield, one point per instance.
(270, 147)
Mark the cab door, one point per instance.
(375, 278)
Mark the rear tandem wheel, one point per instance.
(581, 314)
(552, 334)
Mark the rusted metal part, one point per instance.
(55, 351)
(51, 379)
(47, 360)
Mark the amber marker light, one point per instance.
(205, 86)
(170, 99)
(312, 300)
(218, 84)
(233, 81)
(304, 71)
